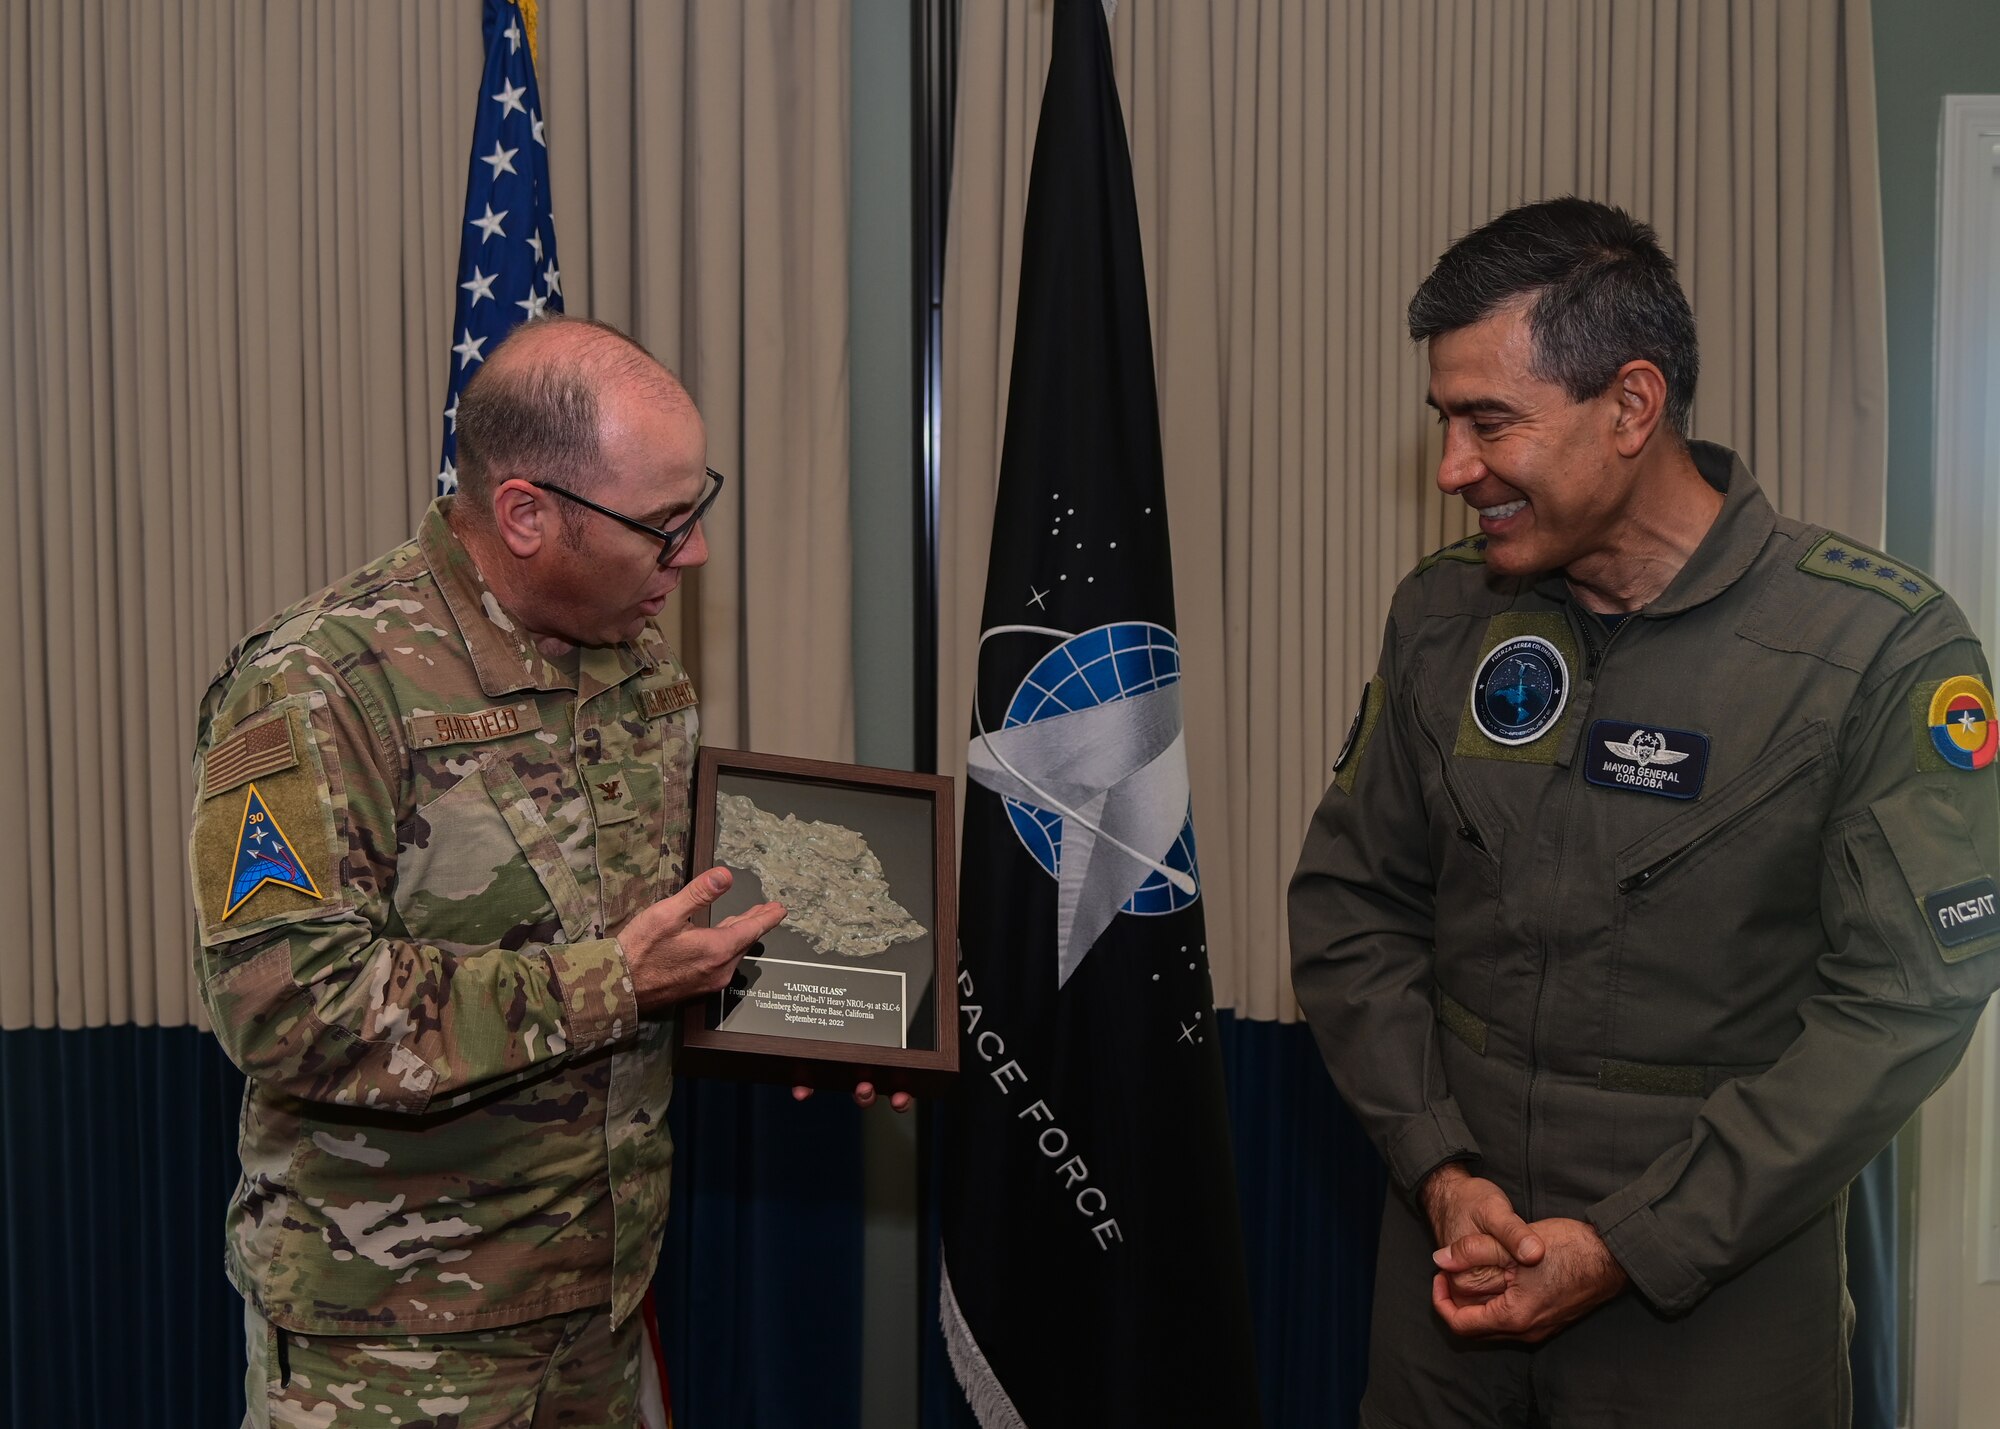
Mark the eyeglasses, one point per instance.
(671, 538)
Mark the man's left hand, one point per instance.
(1576, 1274)
(864, 1095)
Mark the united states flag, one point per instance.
(507, 270)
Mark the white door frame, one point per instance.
(1958, 1245)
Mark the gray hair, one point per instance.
(1603, 294)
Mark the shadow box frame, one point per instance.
(706, 1050)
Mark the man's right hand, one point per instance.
(1474, 1217)
(673, 958)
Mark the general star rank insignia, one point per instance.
(263, 855)
(1835, 558)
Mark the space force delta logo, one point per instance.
(1092, 764)
(1646, 759)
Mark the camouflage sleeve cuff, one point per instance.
(1638, 1242)
(599, 1004)
(1428, 1140)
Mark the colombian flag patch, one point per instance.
(1963, 729)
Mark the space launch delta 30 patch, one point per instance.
(1647, 759)
(264, 856)
(260, 850)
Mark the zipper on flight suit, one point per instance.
(1466, 830)
(1595, 641)
(1591, 635)
(1795, 760)
(1635, 881)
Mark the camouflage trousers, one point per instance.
(571, 1370)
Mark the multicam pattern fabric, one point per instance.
(455, 1117)
(569, 1369)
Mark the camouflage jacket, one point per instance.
(414, 840)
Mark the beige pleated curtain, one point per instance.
(1299, 166)
(232, 233)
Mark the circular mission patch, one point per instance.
(1963, 728)
(1520, 690)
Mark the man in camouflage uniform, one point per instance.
(438, 859)
(1655, 888)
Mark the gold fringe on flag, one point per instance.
(531, 15)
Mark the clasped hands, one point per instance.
(1498, 1277)
(672, 957)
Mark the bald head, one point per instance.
(535, 408)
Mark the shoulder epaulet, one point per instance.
(1833, 557)
(292, 629)
(1470, 549)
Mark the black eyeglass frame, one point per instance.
(671, 538)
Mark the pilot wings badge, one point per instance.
(1646, 747)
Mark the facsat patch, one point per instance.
(1962, 914)
(1646, 759)
(1962, 725)
(264, 855)
(1520, 690)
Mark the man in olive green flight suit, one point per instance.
(438, 858)
(1655, 888)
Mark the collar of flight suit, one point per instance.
(502, 655)
(1739, 532)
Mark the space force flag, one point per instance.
(507, 271)
(1092, 1268)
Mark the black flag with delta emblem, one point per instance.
(1092, 1258)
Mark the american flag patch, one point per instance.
(263, 749)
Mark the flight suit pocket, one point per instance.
(481, 868)
(1939, 880)
(1462, 816)
(1465, 926)
(1717, 911)
(1725, 815)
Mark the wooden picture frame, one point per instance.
(816, 1003)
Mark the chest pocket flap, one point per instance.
(524, 820)
(482, 866)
